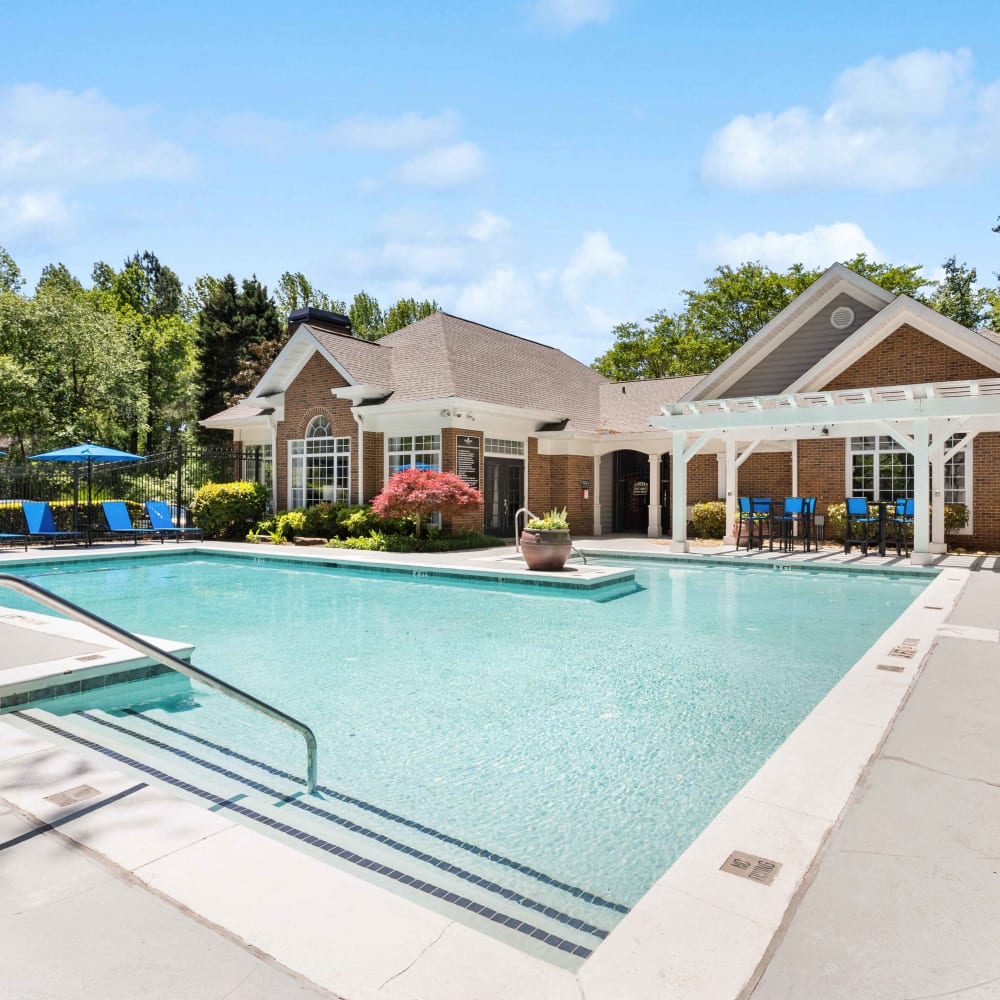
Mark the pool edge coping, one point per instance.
(635, 946)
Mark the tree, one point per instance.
(10, 273)
(366, 317)
(958, 298)
(295, 291)
(407, 311)
(417, 493)
(733, 305)
(58, 276)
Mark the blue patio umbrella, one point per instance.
(88, 453)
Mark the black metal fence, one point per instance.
(75, 490)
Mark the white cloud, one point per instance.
(406, 133)
(446, 167)
(34, 214)
(594, 258)
(564, 16)
(248, 130)
(892, 124)
(817, 247)
(487, 226)
(60, 137)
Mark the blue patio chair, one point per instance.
(810, 529)
(162, 520)
(120, 523)
(902, 525)
(857, 520)
(41, 523)
(752, 513)
(785, 523)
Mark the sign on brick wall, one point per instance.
(467, 459)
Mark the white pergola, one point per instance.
(920, 418)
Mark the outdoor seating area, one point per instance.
(783, 522)
(878, 522)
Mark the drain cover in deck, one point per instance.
(72, 795)
(751, 866)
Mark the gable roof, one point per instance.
(627, 407)
(834, 281)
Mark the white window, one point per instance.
(498, 446)
(418, 451)
(258, 466)
(881, 469)
(320, 467)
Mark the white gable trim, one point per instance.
(831, 283)
(291, 360)
(885, 323)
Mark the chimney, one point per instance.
(331, 322)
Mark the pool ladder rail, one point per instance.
(74, 611)
(527, 517)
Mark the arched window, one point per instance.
(320, 466)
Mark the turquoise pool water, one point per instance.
(589, 741)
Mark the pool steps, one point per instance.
(531, 909)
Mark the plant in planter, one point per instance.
(545, 541)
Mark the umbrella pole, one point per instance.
(90, 474)
(76, 497)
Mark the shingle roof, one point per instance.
(627, 406)
(368, 362)
(241, 411)
(444, 355)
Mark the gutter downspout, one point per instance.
(361, 453)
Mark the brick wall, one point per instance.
(307, 397)
(539, 497)
(823, 471)
(907, 357)
(374, 465)
(703, 480)
(766, 474)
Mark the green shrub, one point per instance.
(709, 519)
(956, 517)
(333, 520)
(227, 510)
(380, 542)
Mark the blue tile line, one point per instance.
(445, 866)
(481, 852)
(505, 920)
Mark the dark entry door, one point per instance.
(632, 499)
(503, 494)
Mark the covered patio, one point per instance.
(923, 419)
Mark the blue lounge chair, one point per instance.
(41, 523)
(120, 523)
(12, 538)
(161, 519)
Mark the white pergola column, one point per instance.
(678, 494)
(596, 486)
(921, 492)
(655, 519)
(937, 543)
(729, 538)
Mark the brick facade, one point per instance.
(309, 396)
(703, 480)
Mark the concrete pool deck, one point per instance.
(903, 898)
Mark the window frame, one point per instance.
(319, 466)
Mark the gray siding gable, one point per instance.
(806, 347)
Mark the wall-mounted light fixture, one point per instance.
(446, 413)
(825, 432)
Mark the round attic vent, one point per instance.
(842, 317)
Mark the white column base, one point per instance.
(729, 540)
(938, 548)
(680, 547)
(921, 558)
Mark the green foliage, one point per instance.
(226, 510)
(958, 298)
(10, 273)
(379, 542)
(709, 519)
(333, 520)
(295, 291)
(407, 311)
(553, 520)
(366, 317)
(956, 517)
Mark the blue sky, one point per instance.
(551, 167)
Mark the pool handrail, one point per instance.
(139, 644)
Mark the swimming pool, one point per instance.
(512, 745)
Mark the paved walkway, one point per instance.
(903, 902)
(74, 926)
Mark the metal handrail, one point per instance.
(139, 644)
(517, 534)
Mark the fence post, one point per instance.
(180, 482)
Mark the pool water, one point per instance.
(586, 741)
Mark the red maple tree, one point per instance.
(417, 493)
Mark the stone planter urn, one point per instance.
(545, 549)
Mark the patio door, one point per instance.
(503, 494)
